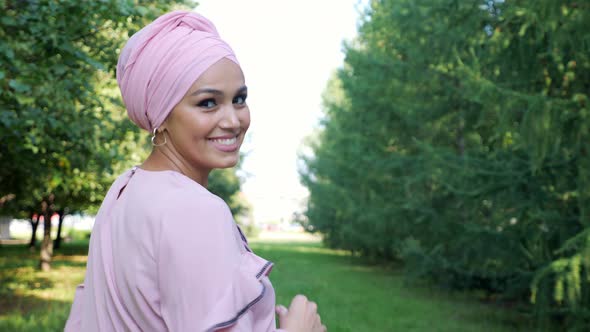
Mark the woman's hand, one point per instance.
(302, 316)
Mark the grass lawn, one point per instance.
(351, 296)
(31, 300)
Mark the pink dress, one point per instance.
(166, 255)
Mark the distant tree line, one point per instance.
(64, 133)
(456, 139)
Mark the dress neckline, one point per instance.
(166, 171)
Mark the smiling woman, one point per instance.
(206, 128)
(165, 253)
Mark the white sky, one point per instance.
(287, 50)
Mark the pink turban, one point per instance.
(160, 63)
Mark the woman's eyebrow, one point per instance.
(217, 92)
(242, 90)
(207, 90)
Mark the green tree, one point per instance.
(62, 136)
(455, 139)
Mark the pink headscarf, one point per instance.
(161, 62)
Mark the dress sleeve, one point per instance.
(74, 321)
(244, 324)
(207, 281)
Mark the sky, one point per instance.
(288, 50)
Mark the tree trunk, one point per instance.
(57, 242)
(47, 244)
(5, 227)
(34, 223)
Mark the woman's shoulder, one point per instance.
(173, 183)
(189, 212)
(191, 198)
(157, 194)
(179, 193)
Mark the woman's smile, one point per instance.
(228, 143)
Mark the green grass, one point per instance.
(351, 296)
(31, 300)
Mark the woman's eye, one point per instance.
(240, 100)
(207, 103)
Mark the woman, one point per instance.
(165, 254)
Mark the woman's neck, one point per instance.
(161, 159)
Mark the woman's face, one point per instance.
(208, 126)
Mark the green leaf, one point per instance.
(19, 86)
(8, 21)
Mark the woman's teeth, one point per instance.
(225, 141)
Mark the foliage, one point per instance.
(61, 127)
(226, 184)
(455, 138)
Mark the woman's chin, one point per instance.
(228, 162)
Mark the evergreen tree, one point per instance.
(455, 139)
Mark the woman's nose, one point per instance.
(230, 118)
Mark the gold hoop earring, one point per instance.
(154, 139)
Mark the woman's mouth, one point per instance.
(225, 144)
(225, 141)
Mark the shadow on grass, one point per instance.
(22, 304)
(34, 300)
(313, 257)
(20, 312)
(71, 254)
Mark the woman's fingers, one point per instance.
(302, 316)
(281, 310)
(312, 309)
(298, 305)
(299, 300)
(317, 325)
(313, 306)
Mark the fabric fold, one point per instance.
(74, 322)
(246, 290)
